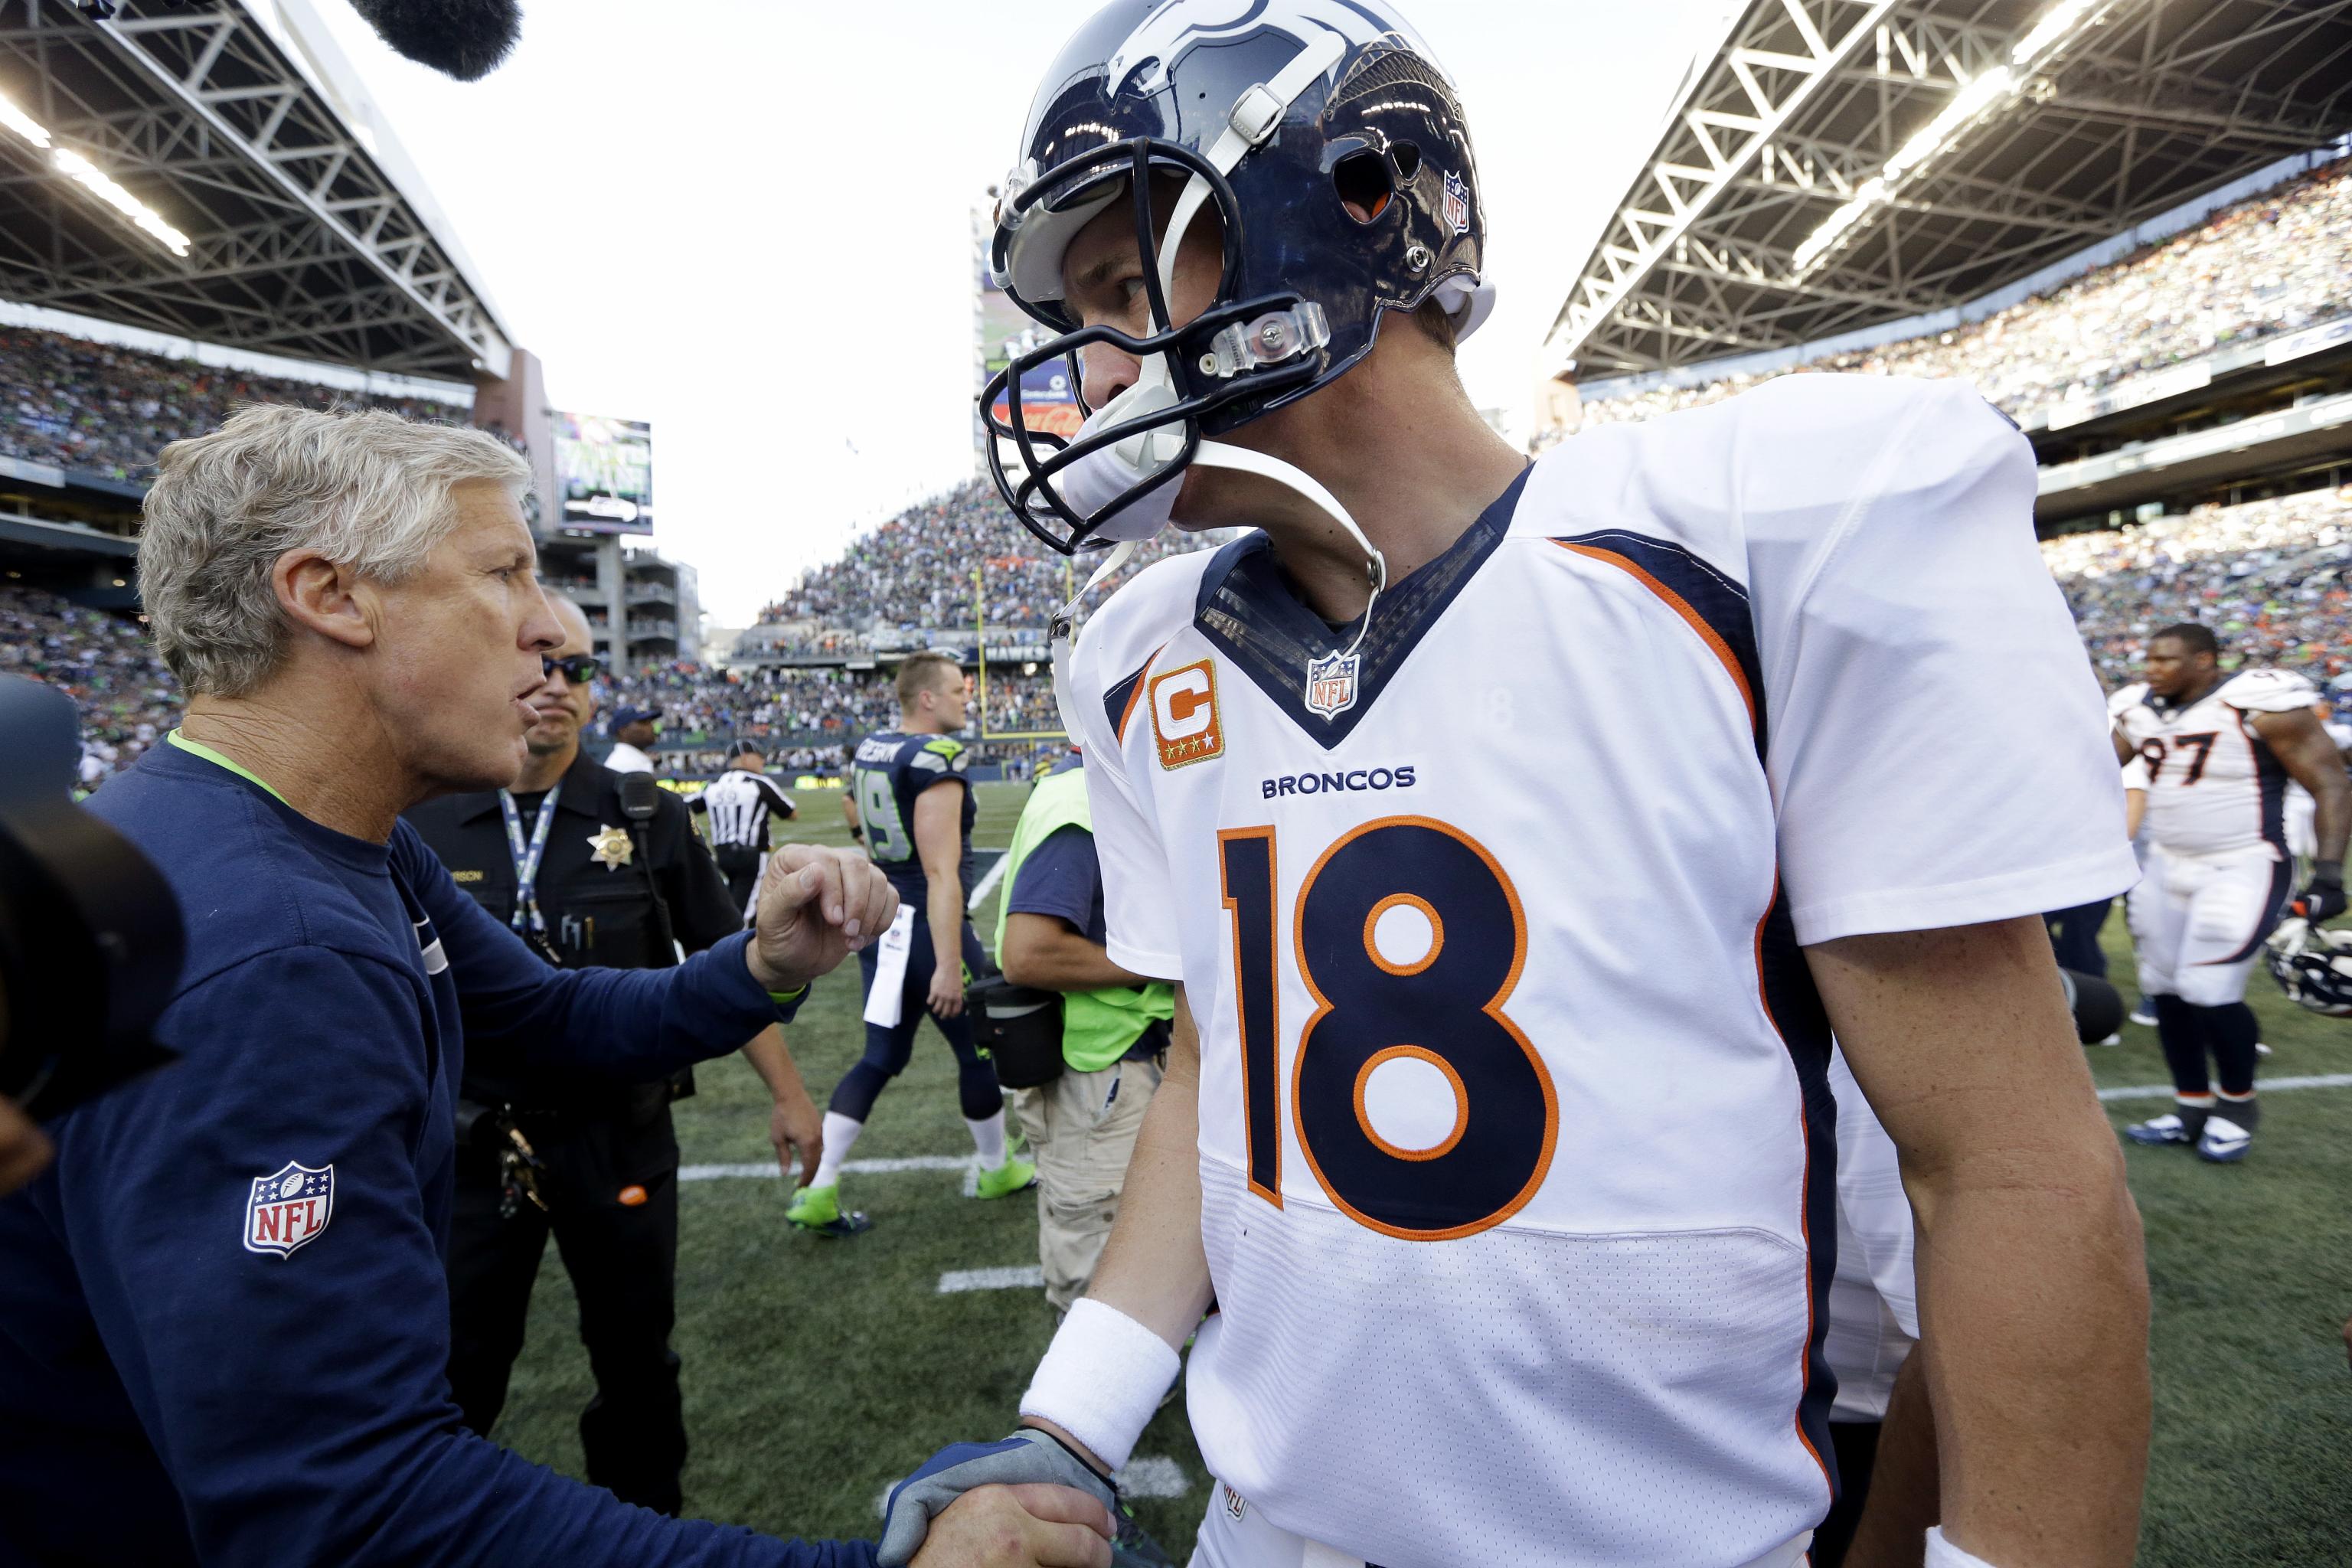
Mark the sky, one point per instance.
(749, 221)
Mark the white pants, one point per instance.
(1236, 1535)
(2198, 921)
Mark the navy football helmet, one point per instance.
(1280, 113)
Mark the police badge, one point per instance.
(609, 847)
(1331, 684)
(289, 1208)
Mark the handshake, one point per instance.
(1030, 1501)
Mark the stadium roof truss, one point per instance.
(1839, 164)
(300, 243)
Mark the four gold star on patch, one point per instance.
(609, 847)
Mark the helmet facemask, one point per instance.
(1115, 480)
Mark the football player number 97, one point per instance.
(1441, 1004)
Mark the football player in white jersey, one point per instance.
(2219, 750)
(1516, 834)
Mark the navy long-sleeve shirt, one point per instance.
(224, 1320)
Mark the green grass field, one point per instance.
(818, 1372)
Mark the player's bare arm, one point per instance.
(939, 840)
(1906, 1496)
(2032, 1283)
(794, 1125)
(1153, 1269)
(2301, 743)
(1047, 951)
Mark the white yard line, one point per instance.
(2267, 1085)
(855, 1167)
(1026, 1276)
(987, 885)
(1155, 1477)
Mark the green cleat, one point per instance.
(818, 1210)
(1011, 1177)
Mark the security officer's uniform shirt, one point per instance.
(595, 896)
(888, 772)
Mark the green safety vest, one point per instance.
(1097, 1027)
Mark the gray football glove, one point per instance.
(1029, 1454)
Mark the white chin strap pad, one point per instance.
(1101, 476)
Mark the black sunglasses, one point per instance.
(578, 669)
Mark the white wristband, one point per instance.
(1101, 1380)
(1942, 1554)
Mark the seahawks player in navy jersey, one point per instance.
(914, 808)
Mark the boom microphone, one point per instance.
(462, 38)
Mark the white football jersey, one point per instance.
(2213, 786)
(1516, 1164)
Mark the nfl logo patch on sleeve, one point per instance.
(289, 1208)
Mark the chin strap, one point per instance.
(1220, 454)
(1216, 455)
(1252, 120)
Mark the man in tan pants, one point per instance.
(1081, 1126)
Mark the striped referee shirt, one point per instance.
(740, 805)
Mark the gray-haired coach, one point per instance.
(223, 1316)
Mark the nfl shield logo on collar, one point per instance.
(289, 1208)
(1331, 684)
(1457, 207)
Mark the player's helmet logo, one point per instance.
(1457, 207)
(1331, 684)
(289, 1208)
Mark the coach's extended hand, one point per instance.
(1025, 1526)
(962, 1472)
(816, 906)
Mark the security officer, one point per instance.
(558, 859)
(1081, 1125)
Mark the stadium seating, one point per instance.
(914, 572)
(2269, 577)
(103, 661)
(2270, 265)
(105, 410)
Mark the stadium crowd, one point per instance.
(74, 404)
(915, 571)
(816, 710)
(2269, 577)
(2271, 265)
(102, 660)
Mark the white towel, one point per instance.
(882, 998)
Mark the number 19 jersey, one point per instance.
(1517, 1163)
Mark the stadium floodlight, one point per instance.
(22, 123)
(2055, 27)
(76, 167)
(90, 177)
(2056, 22)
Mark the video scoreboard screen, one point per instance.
(605, 469)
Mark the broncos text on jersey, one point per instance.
(1519, 1243)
